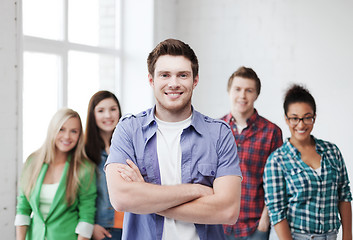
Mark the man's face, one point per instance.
(173, 84)
(242, 95)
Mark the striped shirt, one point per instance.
(294, 191)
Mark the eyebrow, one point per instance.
(179, 72)
(311, 114)
(115, 105)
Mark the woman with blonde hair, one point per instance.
(57, 187)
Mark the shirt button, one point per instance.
(212, 172)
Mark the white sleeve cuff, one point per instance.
(21, 220)
(84, 229)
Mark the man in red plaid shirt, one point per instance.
(256, 139)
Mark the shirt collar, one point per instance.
(320, 148)
(149, 117)
(196, 119)
(252, 119)
(294, 151)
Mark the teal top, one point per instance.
(296, 192)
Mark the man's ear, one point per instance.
(196, 81)
(150, 79)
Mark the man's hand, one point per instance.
(130, 172)
(100, 232)
(264, 223)
(144, 198)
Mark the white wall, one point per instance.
(9, 127)
(285, 42)
(137, 42)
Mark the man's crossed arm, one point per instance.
(194, 203)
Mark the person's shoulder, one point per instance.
(211, 121)
(127, 117)
(226, 117)
(140, 117)
(280, 153)
(326, 145)
(268, 123)
(88, 164)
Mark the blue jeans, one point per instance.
(115, 232)
(257, 235)
(326, 236)
(302, 236)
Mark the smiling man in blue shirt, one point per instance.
(188, 162)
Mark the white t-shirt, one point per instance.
(318, 170)
(169, 157)
(46, 198)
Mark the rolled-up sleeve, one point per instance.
(84, 229)
(87, 194)
(344, 191)
(275, 190)
(23, 210)
(22, 220)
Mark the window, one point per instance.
(70, 51)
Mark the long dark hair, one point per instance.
(94, 143)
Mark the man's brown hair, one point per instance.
(248, 73)
(173, 47)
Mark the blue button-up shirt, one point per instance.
(208, 152)
(294, 191)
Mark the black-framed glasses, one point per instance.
(306, 120)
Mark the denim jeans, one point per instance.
(303, 236)
(327, 236)
(257, 235)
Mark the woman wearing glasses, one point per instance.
(305, 180)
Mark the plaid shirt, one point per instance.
(294, 191)
(255, 143)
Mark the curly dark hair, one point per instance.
(297, 94)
